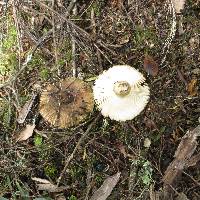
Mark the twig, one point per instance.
(54, 36)
(70, 157)
(74, 68)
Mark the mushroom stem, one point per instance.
(121, 88)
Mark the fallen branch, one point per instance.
(183, 159)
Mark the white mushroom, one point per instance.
(120, 93)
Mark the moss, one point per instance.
(76, 172)
(99, 180)
(141, 35)
(8, 55)
(38, 140)
(10, 40)
(97, 8)
(44, 74)
(144, 173)
(72, 197)
(6, 114)
(50, 170)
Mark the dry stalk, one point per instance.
(74, 67)
(171, 35)
(54, 37)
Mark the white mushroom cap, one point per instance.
(120, 93)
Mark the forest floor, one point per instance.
(46, 41)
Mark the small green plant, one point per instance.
(99, 179)
(8, 55)
(6, 114)
(145, 172)
(141, 35)
(96, 6)
(50, 171)
(38, 140)
(72, 197)
(76, 172)
(44, 74)
(44, 149)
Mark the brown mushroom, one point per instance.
(66, 103)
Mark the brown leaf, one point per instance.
(150, 65)
(178, 5)
(105, 190)
(192, 87)
(26, 133)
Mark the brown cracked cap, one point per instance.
(66, 103)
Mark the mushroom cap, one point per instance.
(66, 103)
(121, 103)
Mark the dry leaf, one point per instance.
(46, 185)
(105, 190)
(178, 5)
(26, 109)
(26, 133)
(191, 88)
(40, 180)
(150, 65)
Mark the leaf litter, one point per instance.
(26, 133)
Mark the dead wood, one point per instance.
(182, 160)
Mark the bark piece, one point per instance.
(183, 158)
(105, 190)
